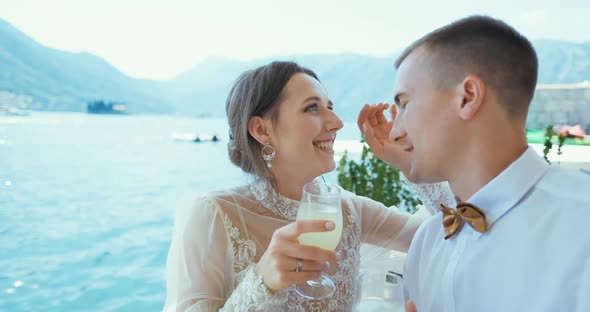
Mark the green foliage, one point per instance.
(373, 178)
(549, 134)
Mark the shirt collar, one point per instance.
(503, 193)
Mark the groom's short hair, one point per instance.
(489, 48)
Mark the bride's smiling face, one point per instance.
(304, 129)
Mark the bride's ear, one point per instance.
(259, 129)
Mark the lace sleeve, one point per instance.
(393, 229)
(199, 270)
(252, 295)
(434, 194)
(383, 226)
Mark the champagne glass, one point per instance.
(320, 201)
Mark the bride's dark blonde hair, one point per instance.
(256, 92)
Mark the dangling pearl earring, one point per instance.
(268, 156)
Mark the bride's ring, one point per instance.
(298, 265)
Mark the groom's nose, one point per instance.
(398, 130)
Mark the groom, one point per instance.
(519, 239)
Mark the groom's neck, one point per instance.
(485, 157)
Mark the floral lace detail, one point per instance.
(270, 199)
(434, 194)
(244, 250)
(252, 295)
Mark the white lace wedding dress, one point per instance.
(218, 238)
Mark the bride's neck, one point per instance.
(291, 187)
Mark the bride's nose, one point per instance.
(334, 123)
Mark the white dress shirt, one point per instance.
(535, 255)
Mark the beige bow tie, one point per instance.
(453, 218)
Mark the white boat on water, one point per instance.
(13, 111)
(189, 137)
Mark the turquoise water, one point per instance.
(87, 204)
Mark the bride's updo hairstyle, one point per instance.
(256, 92)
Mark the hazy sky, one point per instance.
(157, 39)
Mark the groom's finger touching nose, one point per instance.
(397, 131)
(410, 307)
(363, 117)
(393, 112)
(380, 113)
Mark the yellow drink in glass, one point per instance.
(313, 211)
(320, 201)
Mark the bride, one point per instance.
(237, 249)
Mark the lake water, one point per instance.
(87, 204)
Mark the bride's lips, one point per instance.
(325, 145)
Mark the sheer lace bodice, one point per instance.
(219, 237)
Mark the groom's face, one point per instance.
(422, 122)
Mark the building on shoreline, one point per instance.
(559, 104)
(105, 107)
(13, 104)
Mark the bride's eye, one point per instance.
(312, 108)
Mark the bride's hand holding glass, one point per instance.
(287, 262)
(320, 200)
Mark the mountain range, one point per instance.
(64, 81)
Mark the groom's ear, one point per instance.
(472, 90)
(259, 129)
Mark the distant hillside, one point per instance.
(562, 61)
(58, 80)
(350, 80)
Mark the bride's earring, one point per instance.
(268, 153)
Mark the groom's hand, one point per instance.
(410, 307)
(376, 129)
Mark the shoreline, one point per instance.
(573, 156)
